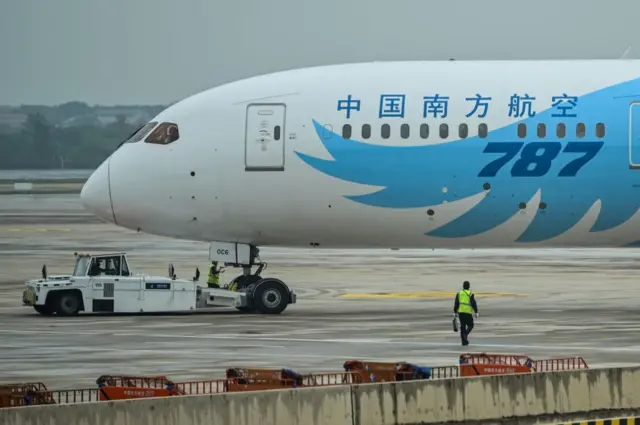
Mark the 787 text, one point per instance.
(536, 158)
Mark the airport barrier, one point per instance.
(118, 387)
(536, 398)
(332, 405)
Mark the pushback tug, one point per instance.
(105, 284)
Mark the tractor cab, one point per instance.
(101, 265)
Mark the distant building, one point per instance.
(131, 116)
(81, 121)
(11, 119)
(105, 116)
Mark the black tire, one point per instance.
(68, 304)
(270, 296)
(43, 310)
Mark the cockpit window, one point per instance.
(166, 133)
(141, 132)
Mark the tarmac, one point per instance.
(378, 305)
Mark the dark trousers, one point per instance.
(466, 326)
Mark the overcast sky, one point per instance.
(159, 51)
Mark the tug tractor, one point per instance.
(105, 284)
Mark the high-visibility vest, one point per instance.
(213, 275)
(464, 299)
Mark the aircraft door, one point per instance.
(634, 136)
(264, 137)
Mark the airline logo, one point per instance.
(569, 171)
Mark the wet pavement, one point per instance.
(545, 303)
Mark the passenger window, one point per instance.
(542, 130)
(276, 133)
(581, 130)
(141, 132)
(483, 130)
(424, 131)
(463, 131)
(600, 130)
(404, 131)
(366, 131)
(346, 131)
(163, 135)
(561, 130)
(327, 131)
(386, 131)
(522, 130)
(444, 131)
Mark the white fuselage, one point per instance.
(227, 178)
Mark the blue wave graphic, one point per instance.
(414, 176)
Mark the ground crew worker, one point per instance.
(213, 281)
(463, 307)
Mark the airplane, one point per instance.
(424, 154)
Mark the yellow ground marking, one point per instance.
(429, 294)
(629, 420)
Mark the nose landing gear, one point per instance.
(267, 295)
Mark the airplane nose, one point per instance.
(96, 193)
